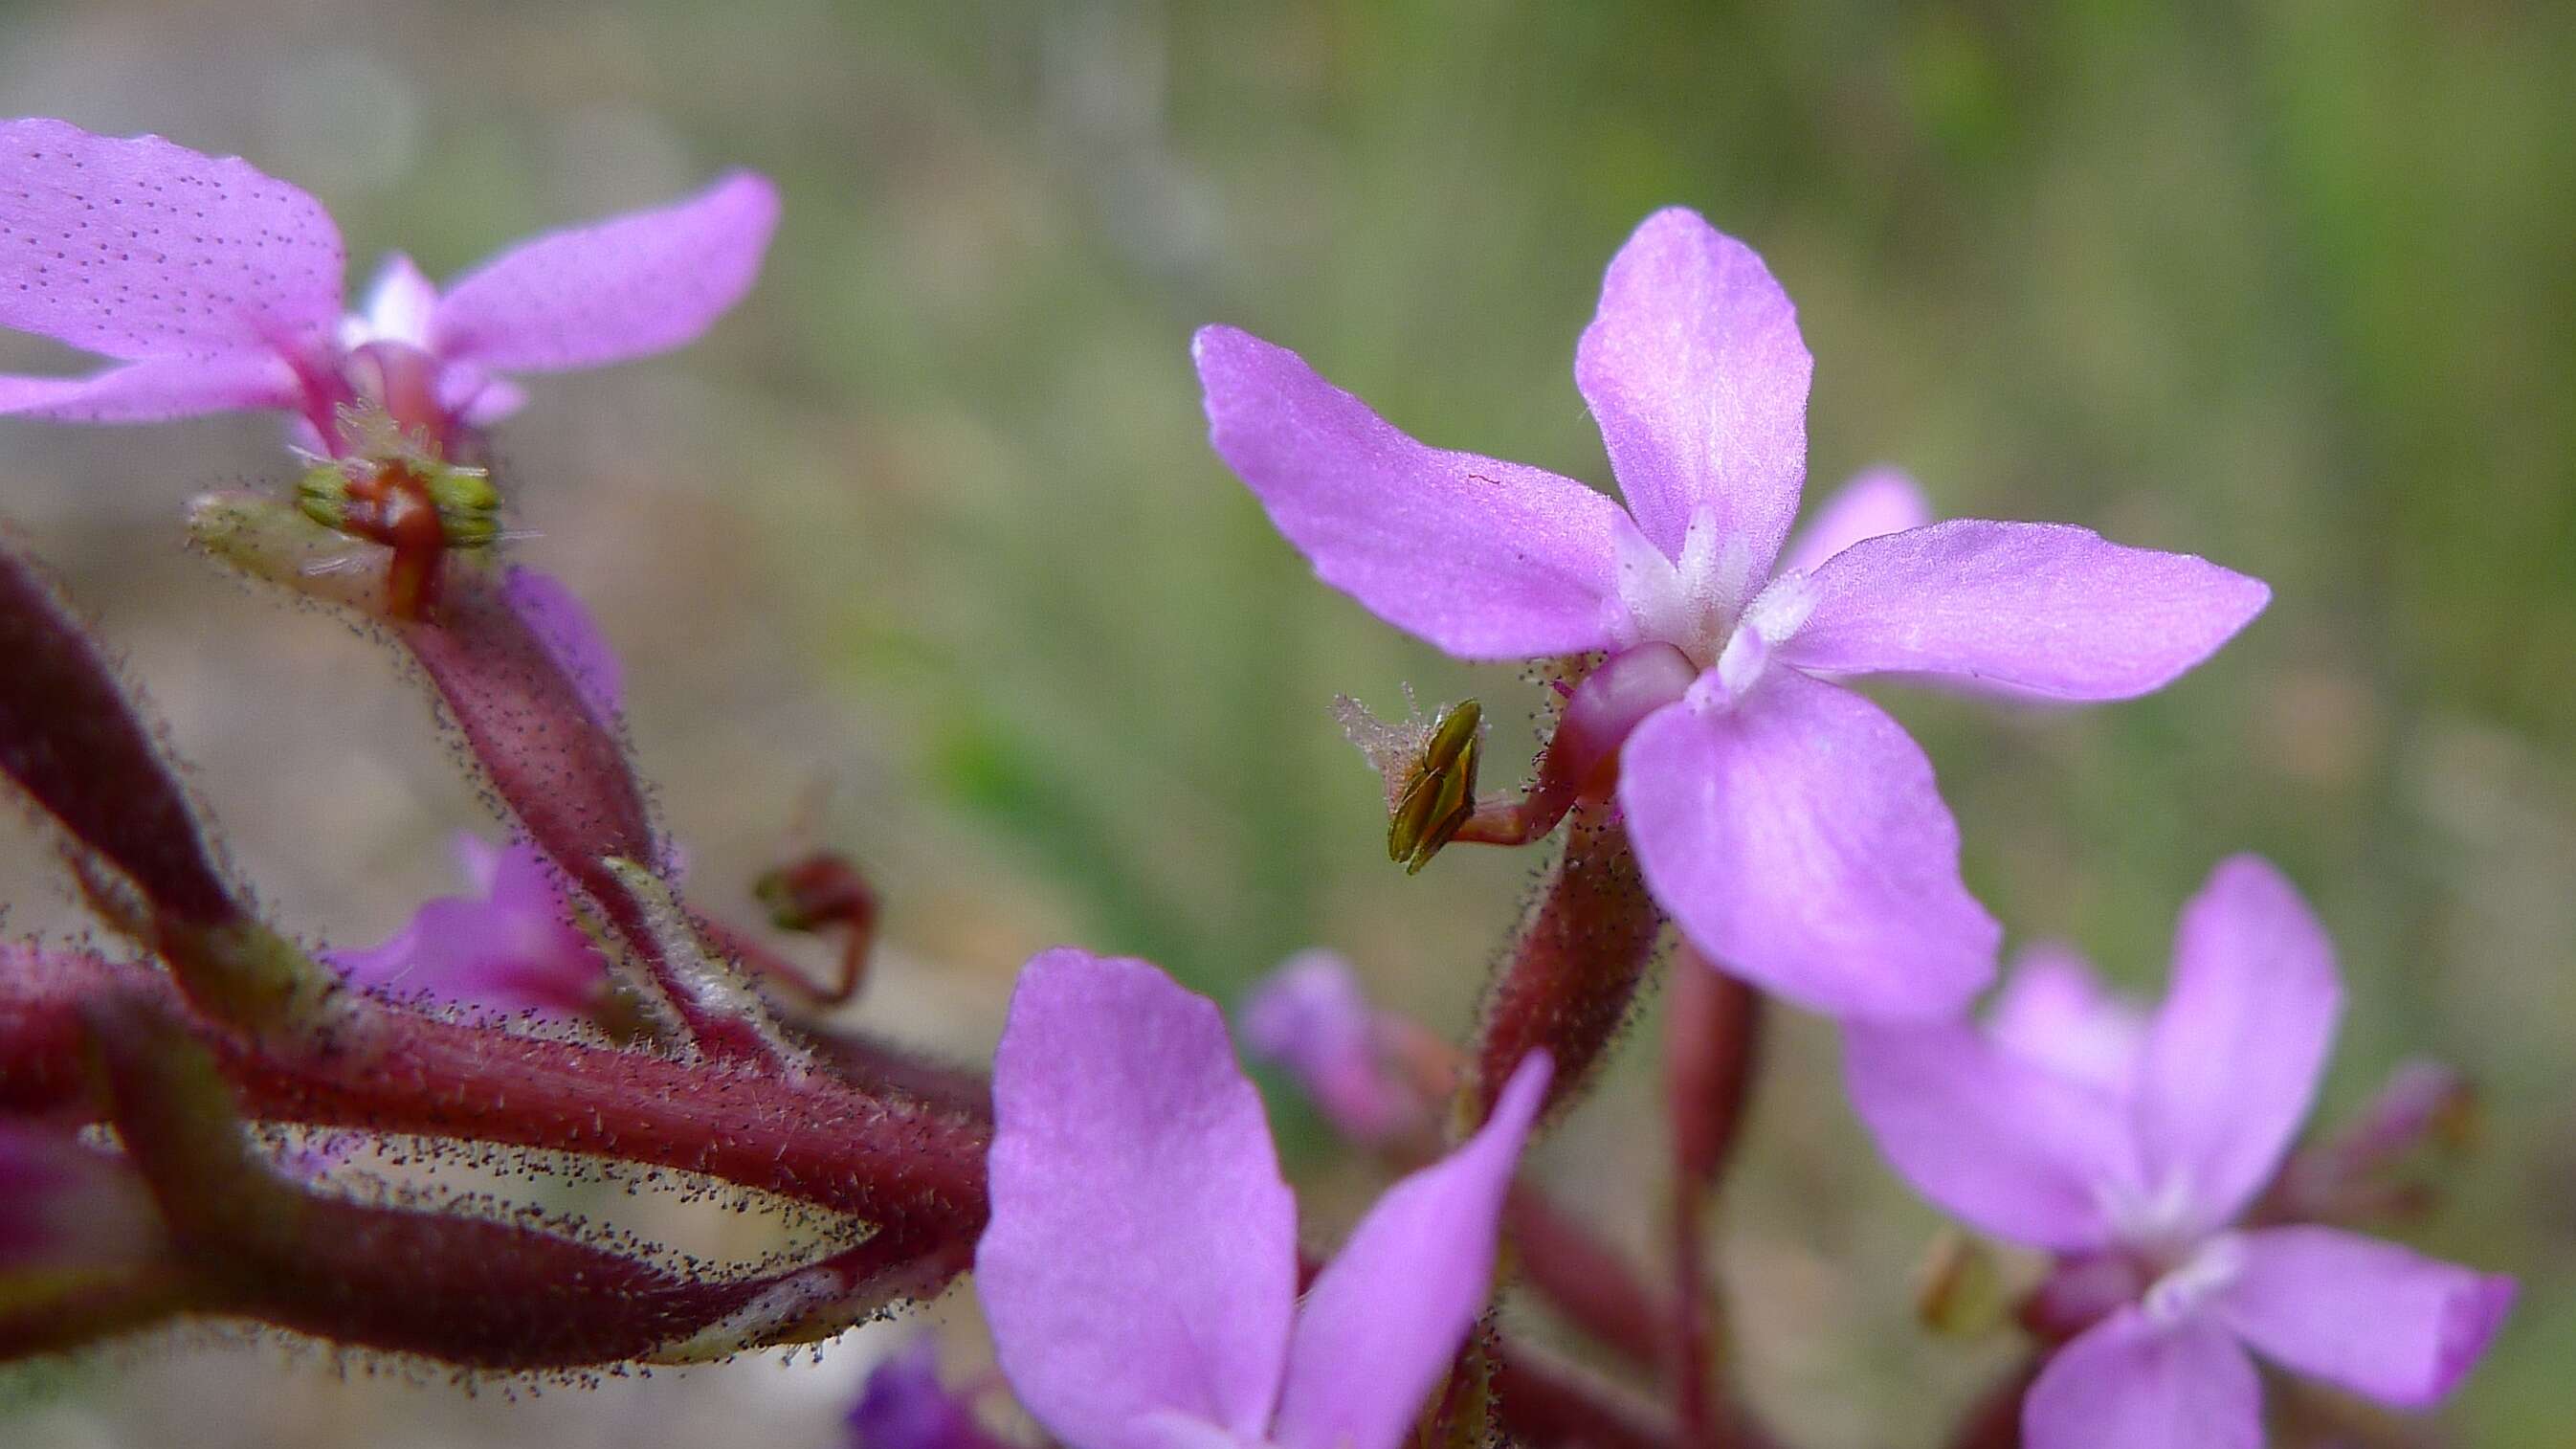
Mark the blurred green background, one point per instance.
(932, 518)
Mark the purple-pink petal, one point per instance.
(139, 248)
(2129, 1383)
(1384, 1320)
(904, 1406)
(1694, 370)
(1799, 840)
(623, 288)
(1486, 559)
(2233, 1056)
(2055, 1013)
(157, 390)
(2365, 1315)
(556, 615)
(1880, 501)
(1311, 1017)
(2039, 609)
(401, 304)
(1141, 1261)
(2005, 1144)
(510, 947)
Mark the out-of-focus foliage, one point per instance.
(2290, 285)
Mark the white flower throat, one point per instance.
(1698, 604)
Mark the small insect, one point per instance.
(1440, 790)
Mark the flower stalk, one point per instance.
(1575, 967)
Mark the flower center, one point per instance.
(1688, 602)
(1697, 604)
(2205, 1272)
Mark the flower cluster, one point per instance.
(1113, 1185)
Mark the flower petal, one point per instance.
(156, 391)
(2127, 1383)
(141, 248)
(510, 947)
(401, 304)
(1880, 501)
(2040, 609)
(1800, 842)
(564, 626)
(1385, 1318)
(1142, 1256)
(2233, 1057)
(1486, 559)
(2054, 1013)
(627, 287)
(2365, 1315)
(1311, 1017)
(2010, 1147)
(904, 1405)
(1694, 369)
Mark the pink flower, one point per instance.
(510, 946)
(217, 288)
(1140, 1272)
(2130, 1148)
(1310, 1017)
(1788, 825)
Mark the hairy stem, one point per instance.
(462, 1289)
(1574, 970)
(812, 1138)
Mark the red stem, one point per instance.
(1582, 953)
(1582, 755)
(1587, 1280)
(564, 774)
(72, 741)
(812, 1138)
(1540, 1404)
(468, 1290)
(1712, 1031)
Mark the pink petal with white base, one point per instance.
(2127, 1383)
(2233, 1056)
(2368, 1316)
(2039, 609)
(1694, 370)
(1486, 559)
(1799, 840)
